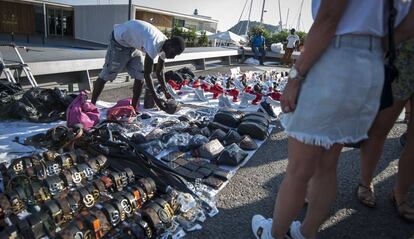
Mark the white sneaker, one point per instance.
(172, 92)
(224, 101)
(186, 89)
(199, 95)
(244, 99)
(262, 227)
(238, 85)
(295, 230)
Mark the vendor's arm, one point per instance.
(159, 71)
(148, 64)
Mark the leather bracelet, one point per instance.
(163, 213)
(117, 181)
(52, 207)
(66, 160)
(139, 194)
(127, 202)
(150, 215)
(86, 172)
(50, 155)
(146, 185)
(16, 203)
(40, 193)
(99, 185)
(148, 231)
(165, 205)
(87, 198)
(17, 166)
(67, 178)
(131, 199)
(73, 204)
(92, 223)
(105, 225)
(111, 213)
(71, 231)
(102, 161)
(21, 193)
(55, 185)
(93, 164)
(117, 203)
(41, 171)
(94, 192)
(107, 182)
(25, 231)
(48, 223)
(5, 206)
(136, 231)
(28, 167)
(130, 175)
(52, 168)
(76, 176)
(36, 225)
(76, 196)
(66, 208)
(124, 179)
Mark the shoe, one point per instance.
(295, 231)
(238, 85)
(196, 84)
(258, 98)
(262, 227)
(187, 89)
(234, 93)
(267, 108)
(405, 211)
(172, 92)
(275, 96)
(174, 84)
(199, 95)
(224, 102)
(366, 195)
(244, 99)
(272, 102)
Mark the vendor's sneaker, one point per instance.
(239, 86)
(267, 108)
(172, 92)
(224, 101)
(244, 99)
(262, 227)
(295, 230)
(199, 95)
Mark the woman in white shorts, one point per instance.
(331, 98)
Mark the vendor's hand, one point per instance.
(290, 96)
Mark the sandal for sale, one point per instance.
(366, 195)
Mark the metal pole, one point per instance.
(240, 27)
(300, 16)
(248, 21)
(45, 20)
(280, 17)
(263, 7)
(129, 9)
(287, 18)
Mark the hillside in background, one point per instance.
(240, 28)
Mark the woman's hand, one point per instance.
(290, 95)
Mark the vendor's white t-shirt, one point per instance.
(140, 35)
(367, 17)
(292, 39)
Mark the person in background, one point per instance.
(292, 41)
(371, 149)
(259, 46)
(128, 43)
(321, 114)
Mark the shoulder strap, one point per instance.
(392, 13)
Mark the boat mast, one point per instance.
(280, 18)
(300, 16)
(263, 9)
(240, 27)
(287, 18)
(248, 21)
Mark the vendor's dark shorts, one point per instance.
(118, 58)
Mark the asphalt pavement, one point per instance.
(253, 189)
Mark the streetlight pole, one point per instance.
(129, 9)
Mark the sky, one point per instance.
(227, 12)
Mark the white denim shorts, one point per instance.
(340, 96)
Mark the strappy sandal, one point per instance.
(405, 211)
(366, 195)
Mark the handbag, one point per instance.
(390, 71)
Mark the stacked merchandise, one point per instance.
(73, 195)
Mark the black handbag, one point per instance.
(390, 71)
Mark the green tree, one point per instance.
(202, 40)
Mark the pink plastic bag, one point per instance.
(122, 111)
(80, 111)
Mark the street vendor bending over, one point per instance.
(125, 50)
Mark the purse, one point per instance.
(390, 71)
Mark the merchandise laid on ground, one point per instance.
(110, 171)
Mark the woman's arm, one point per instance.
(319, 37)
(405, 30)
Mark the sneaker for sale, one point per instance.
(224, 101)
(199, 95)
(244, 99)
(172, 92)
(238, 85)
(186, 89)
(267, 108)
(262, 227)
(272, 102)
(295, 230)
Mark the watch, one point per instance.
(294, 74)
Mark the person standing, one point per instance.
(292, 41)
(371, 149)
(259, 46)
(129, 42)
(321, 114)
